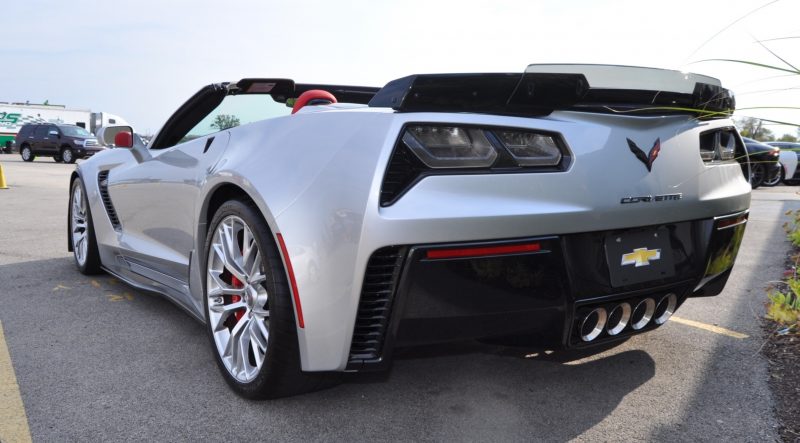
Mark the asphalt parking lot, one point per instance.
(96, 360)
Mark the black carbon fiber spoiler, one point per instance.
(543, 89)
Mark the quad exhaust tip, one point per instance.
(614, 319)
(618, 318)
(665, 307)
(642, 313)
(593, 324)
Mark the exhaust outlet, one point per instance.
(642, 313)
(593, 323)
(664, 308)
(618, 318)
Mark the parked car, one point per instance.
(65, 143)
(320, 238)
(8, 147)
(790, 152)
(764, 166)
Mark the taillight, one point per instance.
(719, 145)
(442, 149)
(450, 147)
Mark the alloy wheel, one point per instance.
(26, 154)
(78, 225)
(238, 302)
(66, 155)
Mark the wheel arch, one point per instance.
(217, 197)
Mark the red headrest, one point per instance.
(313, 94)
(123, 139)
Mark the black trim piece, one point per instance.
(190, 114)
(208, 144)
(102, 184)
(539, 94)
(345, 94)
(375, 304)
(502, 93)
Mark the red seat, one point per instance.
(313, 97)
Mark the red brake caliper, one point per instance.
(235, 298)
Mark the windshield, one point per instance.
(74, 131)
(236, 110)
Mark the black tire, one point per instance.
(280, 374)
(775, 180)
(92, 264)
(67, 155)
(756, 175)
(57, 159)
(26, 153)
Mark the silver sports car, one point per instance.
(314, 229)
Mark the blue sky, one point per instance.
(141, 59)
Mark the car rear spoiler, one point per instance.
(542, 89)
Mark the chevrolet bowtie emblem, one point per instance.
(641, 257)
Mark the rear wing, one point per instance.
(542, 89)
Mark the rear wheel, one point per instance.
(26, 153)
(756, 175)
(67, 155)
(249, 313)
(770, 182)
(81, 231)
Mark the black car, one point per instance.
(65, 143)
(764, 164)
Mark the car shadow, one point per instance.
(144, 355)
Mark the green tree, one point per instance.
(754, 128)
(788, 138)
(225, 121)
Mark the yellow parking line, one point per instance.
(13, 423)
(707, 327)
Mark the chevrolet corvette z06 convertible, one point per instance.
(315, 229)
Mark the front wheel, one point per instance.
(82, 238)
(248, 306)
(67, 156)
(27, 154)
(756, 175)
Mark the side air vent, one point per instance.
(374, 308)
(102, 183)
(404, 168)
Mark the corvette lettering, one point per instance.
(651, 198)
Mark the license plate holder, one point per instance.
(639, 256)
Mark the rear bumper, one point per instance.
(541, 294)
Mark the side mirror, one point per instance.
(124, 138)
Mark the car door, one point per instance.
(52, 140)
(155, 200)
(40, 142)
(156, 193)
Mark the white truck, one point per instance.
(14, 115)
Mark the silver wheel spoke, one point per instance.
(78, 225)
(234, 254)
(258, 340)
